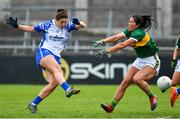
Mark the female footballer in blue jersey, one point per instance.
(144, 68)
(55, 39)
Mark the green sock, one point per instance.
(149, 93)
(114, 102)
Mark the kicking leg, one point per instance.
(52, 66)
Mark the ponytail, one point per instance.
(144, 21)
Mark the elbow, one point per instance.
(116, 38)
(83, 26)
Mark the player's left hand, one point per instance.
(75, 20)
(101, 53)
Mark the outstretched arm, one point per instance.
(113, 38)
(26, 28)
(117, 47)
(13, 22)
(110, 39)
(120, 45)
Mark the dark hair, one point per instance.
(144, 21)
(61, 13)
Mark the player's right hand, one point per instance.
(13, 22)
(98, 43)
(173, 64)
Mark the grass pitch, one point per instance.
(135, 104)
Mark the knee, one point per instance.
(136, 80)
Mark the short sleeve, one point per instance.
(126, 33)
(42, 26)
(137, 35)
(70, 26)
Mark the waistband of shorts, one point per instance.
(148, 56)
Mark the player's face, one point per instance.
(61, 23)
(132, 24)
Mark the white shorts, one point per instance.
(152, 61)
(177, 69)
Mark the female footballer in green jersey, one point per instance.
(175, 64)
(144, 68)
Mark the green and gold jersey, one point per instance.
(145, 46)
(178, 43)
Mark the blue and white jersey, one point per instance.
(54, 39)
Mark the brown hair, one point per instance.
(61, 13)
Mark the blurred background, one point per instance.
(103, 18)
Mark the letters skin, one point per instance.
(83, 70)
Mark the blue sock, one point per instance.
(178, 90)
(37, 100)
(65, 86)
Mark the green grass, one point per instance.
(135, 104)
